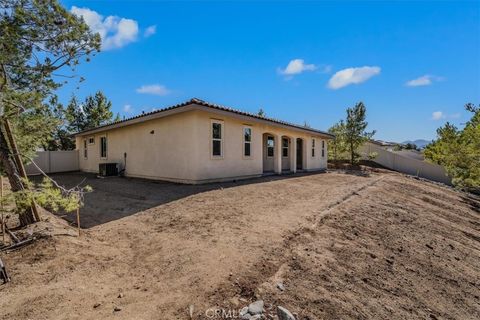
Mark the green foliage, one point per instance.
(261, 113)
(37, 40)
(338, 145)
(33, 130)
(93, 112)
(408, 146)
(350, 134)
(41, 43)
(60, 138)
(49, 196)
(355, 127)
(372, 155)
(458, 150)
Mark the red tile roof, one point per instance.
(195, 101)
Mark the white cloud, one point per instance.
(150, 31)
(127, 108)
(438, 115)
(425, 80)
(296, 66)
(350, 76)
(114, 31)
(156, 89)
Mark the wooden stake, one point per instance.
(18, 160)
(78, 220)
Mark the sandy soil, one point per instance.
(346, 246)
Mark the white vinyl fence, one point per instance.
(414, 167)
(54, 161)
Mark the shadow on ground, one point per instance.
(114, 198)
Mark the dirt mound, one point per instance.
(325, 246)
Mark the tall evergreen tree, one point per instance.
(458, 150)
(60, 138)
(74, 116)
(93, 112)
(38, 39)
(355, 126)
(350, 134)
(337, 145)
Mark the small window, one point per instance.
(247, 142)
(270, 146)
(313, 147)
(323, 148)
(216, 139)
(85, 150)
(91, 140)
(284, 147)
(103, 147)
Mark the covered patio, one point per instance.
(283, 154)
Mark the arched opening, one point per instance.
(299, 155)
(269, 145)
(286, 150)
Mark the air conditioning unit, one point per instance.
(108, 169)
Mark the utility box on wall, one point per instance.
(108, 169)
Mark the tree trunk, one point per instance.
(335, 152)
(13, 175)
(352, 154)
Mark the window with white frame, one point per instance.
(313, 147)
(217, 133)
(85, 150)
(103, 147)
(247, 141)
(270, 146)
(323, 148)
(91, 140)
(284, 147)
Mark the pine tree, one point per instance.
(93, 112)
(458, 150)
(355, 126)
(38, 39)
(337, 145)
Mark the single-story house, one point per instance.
(198, 142)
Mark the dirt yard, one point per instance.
(344, 245)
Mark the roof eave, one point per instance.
(200, 105)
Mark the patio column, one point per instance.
(293, 155)
(277, 155)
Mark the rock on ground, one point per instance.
(255, 307)
(284, 314)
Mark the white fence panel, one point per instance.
(407, 165)
(54, 161)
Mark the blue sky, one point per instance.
(413, 64)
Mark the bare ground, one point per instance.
(346, 246)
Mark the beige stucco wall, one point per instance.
(167, 154)
(180, 148)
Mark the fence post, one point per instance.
(49, 162)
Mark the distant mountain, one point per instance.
(420, 143)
